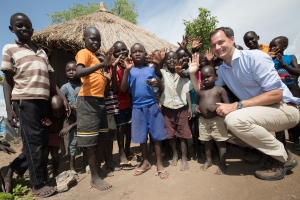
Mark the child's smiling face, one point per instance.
(22, 27)
(92, 39)
(120, 49)
(251, 40)
(171, 60)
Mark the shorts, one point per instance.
(91, 120)
(148, 120)
(54, 140)
(124, 116)
(73, 150)
(177, 122)
(213, 128)
(111, 122)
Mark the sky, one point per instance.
(268, 18)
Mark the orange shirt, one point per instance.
(264, 48)
(93, 84)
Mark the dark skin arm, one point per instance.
(294, 69)
(181, 72)
(8, 85)
(67, 129)
(54, 90)
(107, 75)
(184, 43)
(128, 65)
(189, 102)
(82, 71)
(114, 82)
(156, 59)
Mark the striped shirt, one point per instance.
(31, 71)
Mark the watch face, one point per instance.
(240, 105)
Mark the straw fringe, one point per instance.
(67, 36)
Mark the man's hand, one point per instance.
(128, 63)
(194, 64)
(209, 55)
(226, 108)
(108, 57)
(273, 52)
(12, 118)
(6, 149)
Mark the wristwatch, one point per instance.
(239, 105)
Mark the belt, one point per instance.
(292, 104)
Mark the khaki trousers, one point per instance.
(252, 125)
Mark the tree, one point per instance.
(201, 26)
(1, 79)
(123, 8)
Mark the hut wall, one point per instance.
(58, 60)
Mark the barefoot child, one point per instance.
(27, 86)
(173, 100)
(91, 111)
(146, 115)
(123, 119)
(211, 126)
(70, 90)
(57, 117)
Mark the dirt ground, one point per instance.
(238, 183)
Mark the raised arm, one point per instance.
(184, 43)
(193, 68)
(128, 65)
(156, 59)
(114, 82)
(179, 69)
(82, 71)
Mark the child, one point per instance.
(91, 111)
(70, 90)
(123, 119)
(211, 126)
(288, 68)
(173, 100)
(57, 116)
(146, 115)
(27, 86)
(251, 41)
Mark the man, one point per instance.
(265, 103)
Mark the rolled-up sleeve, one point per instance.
(265, 73)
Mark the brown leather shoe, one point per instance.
(274, 169)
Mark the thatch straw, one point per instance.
(68, 35)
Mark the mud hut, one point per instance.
(63, 40)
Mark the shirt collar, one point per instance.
(25, 45)
(236, 55)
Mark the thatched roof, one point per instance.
(68, 35)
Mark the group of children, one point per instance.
(165, 95)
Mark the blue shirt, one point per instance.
(70, 91)
(284, 75)
(142, 94)
(252, 73)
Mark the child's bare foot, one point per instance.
(100, 184)
(184, 165)
(221, 170)
(206, 165)
(174, 160)
(6, 177)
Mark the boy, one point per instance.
(146, 115)
(91, 111)
(57, 117)
(27, 86)
(70, 90)
(211, 126)
(173, 100)
(123, 119)
(251, 41)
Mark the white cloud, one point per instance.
(294, 48)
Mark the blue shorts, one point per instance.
(148, 120)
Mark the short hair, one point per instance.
(250, 32)
(18, 14)
(118, 42)
(210, 66)
(227, 30)
(71, 62)
(138, 44)
(283, 40)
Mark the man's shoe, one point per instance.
(254, 157)
(274, 169)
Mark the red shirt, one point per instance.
(123, 97)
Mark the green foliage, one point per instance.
(1, 79)
(125, 9)
(74, 11)
(19, 190)
(201, 26)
